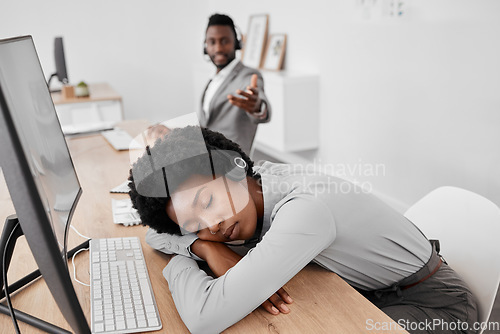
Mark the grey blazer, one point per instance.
(233, 122)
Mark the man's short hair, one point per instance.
(224, 20)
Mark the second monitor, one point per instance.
(60, 60)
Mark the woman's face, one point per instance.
(217, 210)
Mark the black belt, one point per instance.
(424, 278)
(424, 273)
(429, 269)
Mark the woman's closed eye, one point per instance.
(209, 201)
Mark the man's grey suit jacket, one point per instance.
(233, 122)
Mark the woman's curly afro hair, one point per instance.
(182, 154)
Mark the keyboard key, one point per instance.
(120, 325)
(153, 322)
(98, 327)
(131, 323)
(146, 294)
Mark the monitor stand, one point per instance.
(12, 226)
(48, 84)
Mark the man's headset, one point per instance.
(238, 44)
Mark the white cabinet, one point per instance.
(99, 111)
(294, 100)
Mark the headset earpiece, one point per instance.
(230, 164)
(238, 44)
(239, 169)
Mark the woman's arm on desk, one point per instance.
(300, 231)
(220, 258)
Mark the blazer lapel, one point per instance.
(222, 87)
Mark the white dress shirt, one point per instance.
(215, 83)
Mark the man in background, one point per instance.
(234, 102)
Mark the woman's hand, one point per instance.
(156, 131)
(277, 302)
(221, 258)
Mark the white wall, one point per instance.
(419, 95)
(143, 49)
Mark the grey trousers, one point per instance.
(441, 303)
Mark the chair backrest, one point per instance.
(468, 228)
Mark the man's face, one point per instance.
(220, 45)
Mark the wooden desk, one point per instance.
(323, 303)
(98, 92)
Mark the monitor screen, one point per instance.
(38, 129)
(62, 72)
(38, 169)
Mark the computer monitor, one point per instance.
(61, 72)
(38, 170)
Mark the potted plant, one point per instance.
(82, 90)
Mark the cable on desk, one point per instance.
(6, 289)
(74, 268)
(83, 236)
(73, 257)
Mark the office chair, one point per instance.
(468, 227)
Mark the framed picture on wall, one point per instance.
(275, 52)
(255, 40)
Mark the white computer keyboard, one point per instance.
(80, 128)
(120, 139)
(122, 300)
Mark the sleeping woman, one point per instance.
(199, 201)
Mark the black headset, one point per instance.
(228, 163)
(238, 44)
(154, 182)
